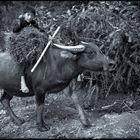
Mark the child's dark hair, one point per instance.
(29, 9)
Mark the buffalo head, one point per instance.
(89, 56)
(93, 59)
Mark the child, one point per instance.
(24, 20)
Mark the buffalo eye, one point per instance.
(91, 54)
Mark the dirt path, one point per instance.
(63, 120)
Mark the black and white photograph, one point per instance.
(69, 69)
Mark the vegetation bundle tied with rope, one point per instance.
(26, 45)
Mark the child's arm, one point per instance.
(19, 24)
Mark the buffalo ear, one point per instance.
(68, 55)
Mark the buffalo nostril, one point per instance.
(112, 62)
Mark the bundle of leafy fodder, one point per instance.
(27, 45)
(115, 27)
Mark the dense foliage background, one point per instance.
(113, 25)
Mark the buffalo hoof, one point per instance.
(86, 123)
(18, 121)
(43, 128)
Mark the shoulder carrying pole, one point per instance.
(36, 64)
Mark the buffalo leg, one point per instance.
(82, 116)
(5, 100)
(39, 110)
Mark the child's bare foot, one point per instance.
(24, 89)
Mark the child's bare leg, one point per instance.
(24, 87)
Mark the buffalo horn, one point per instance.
(77, 48)
(84, 42)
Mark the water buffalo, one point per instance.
(57, 68)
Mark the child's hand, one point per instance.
(21, 16)
(50, 37)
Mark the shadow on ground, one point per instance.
(63, 120)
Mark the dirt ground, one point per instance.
(114, 117)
